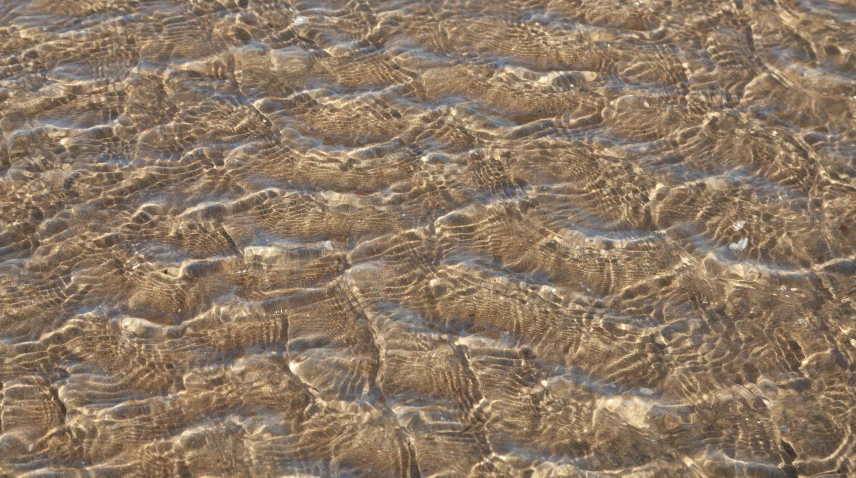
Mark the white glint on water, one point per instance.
(739, 245)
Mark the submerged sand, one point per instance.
(524, 238)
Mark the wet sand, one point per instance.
(463, 238)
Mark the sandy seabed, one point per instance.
(511, 238)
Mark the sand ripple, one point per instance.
(522, 238)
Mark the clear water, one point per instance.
(427, 238)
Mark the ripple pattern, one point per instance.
(460, 238)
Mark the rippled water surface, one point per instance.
(463, 238)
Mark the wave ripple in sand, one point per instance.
(416, 238)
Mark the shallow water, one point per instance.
(421, 238)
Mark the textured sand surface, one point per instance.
(462, 238)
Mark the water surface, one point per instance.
(464, 238)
